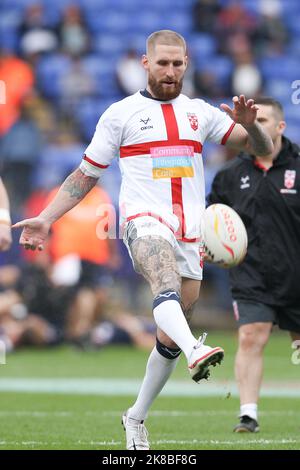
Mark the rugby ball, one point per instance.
(224, 236)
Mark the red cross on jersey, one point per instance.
(159, 145)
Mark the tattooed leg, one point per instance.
(155, 259)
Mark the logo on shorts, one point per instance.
(193, 120)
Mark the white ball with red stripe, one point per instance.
(224, 236)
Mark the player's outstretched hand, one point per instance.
(243, 112)
(34, 234)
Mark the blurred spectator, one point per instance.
(130, 73)
(82, 256)
(237, 30)
(20, 149)
(25, 292)
(69, 284)
(18, 79)
(246, 77)
(42, 113)
(73, 33)
(58, 158)
(35, 35)
(188, 87)
(69, 281)
(234, 19)
(30, 330)
(124, 328)
(78, 231)
(75, 84)
(55, 308)
(207, 85)
(204, 15)
(272, 35)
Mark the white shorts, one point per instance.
(188, 255)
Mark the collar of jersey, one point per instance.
(146, 94)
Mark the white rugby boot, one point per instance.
(136, 434)
(202, 357)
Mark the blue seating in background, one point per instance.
(109, 22)
(55, 163)
(135, 41)
(219, 65)
(278, 88)
(180, 22)
(202, 46)
(110, 46)
(253, 6)
(293, 24)
(290, 9)
(283, 67)
(292, 111)
(88, 113)
(49, 71)
(292, 132)
(293, 48)
(118, 25)
(147, 21)
(10, 19)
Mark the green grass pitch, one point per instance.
(77, 416)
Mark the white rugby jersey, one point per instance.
(159, 144)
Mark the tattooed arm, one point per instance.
(71, 192)
(248, 135)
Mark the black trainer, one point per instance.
(246, 424)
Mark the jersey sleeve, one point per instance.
(219, 126)
(104, 146)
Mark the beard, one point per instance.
(163, 93)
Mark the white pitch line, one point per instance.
(37, 414)
(152, 414)
(202, 442)
(197, 413)
(228, 442)
(126, 387)
(211, 442)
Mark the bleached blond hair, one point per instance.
(165, 37)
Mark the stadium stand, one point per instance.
(111, 28)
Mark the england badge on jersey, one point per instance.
(193, 120)
(289, 178)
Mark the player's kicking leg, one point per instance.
(154, 258)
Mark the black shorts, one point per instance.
(287, 318)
